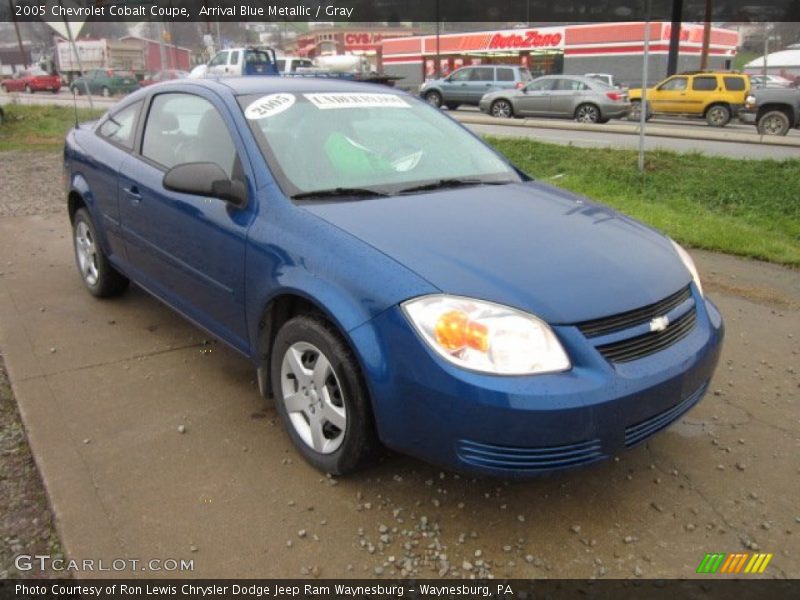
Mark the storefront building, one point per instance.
(338, 40)
(614, 48)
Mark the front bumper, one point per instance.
(524, 426)
(747, 115)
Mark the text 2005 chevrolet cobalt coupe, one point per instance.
(391, 277)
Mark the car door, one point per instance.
(218, 64)
(566, 95)
(454, 87)
(534, 98)
(704, 88)
(189, 250)
(233, 68)
(481, 81)
(670, 95)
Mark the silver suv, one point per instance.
(468, 85)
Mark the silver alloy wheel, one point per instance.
(501, 109)
(718, 115)
(773, 124)
(434, 98)
(87, 253)
(587, 114)
(313, 398)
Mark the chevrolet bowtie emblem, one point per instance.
(659, 323)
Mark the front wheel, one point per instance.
(434, 98)
(774, 122)
(587, 113)
(501, 109)
(320, 395)
(99, 277)
(718, 115)
(635, 113)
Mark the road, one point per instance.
(693, 130)
(104, 386)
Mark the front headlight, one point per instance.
(689, 263)
(750, 101)
(487, 337)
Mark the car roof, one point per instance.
(241, 86)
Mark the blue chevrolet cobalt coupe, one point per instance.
(391, 277)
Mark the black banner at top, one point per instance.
(396, 11)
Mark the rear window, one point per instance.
(525, 75)
(505, 74)
(704, 84)
(734, 84)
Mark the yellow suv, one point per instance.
(713, 95)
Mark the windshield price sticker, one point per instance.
(328, 101)
(269, 106)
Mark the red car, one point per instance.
(167, 75)
(32, 81)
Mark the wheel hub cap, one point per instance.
(86, 253)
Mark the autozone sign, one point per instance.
(532, 38)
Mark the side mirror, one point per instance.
(205, 179)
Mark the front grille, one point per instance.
(641, 431)
(634, 317)
(529, 459)
(644, 345)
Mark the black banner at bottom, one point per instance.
(330, 589)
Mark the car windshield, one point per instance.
(382, 142)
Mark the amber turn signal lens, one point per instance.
(455, 331)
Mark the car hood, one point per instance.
(528, 245)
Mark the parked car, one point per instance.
(235, 62)
(30, 81)
(566, 96)
(467, 85)
(107, 82)
(166, 75)
(774, 111)
(770, 81)
(290, 64)
(389, 275)
(713, 96)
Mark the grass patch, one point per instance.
(745, 207)
(40, 128)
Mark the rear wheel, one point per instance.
(106, 92)
(320, 395)
(773, 122)
(434, 98)
(718, 115)
(587, 113)
(99, 277)
(501, 109)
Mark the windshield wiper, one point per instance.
(339, 192)
(450, 183)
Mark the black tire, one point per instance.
(28, 89)
(435, 98)
(57, 90)
(452, 105)
(501, 109)
(774, 122)
(718, 115)
(588, 113)
(359, 441)
(634, 113)
(107, 282)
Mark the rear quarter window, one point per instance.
(505, 74)
(735, 84)
(120, 128)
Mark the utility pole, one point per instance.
(706, 36)
(643, 102)
(766, 51)
(675, 37)
(23, 56)
(438, 63)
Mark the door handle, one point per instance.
(133, 193)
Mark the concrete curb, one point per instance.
(650, 130)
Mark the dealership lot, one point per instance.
(154, 443)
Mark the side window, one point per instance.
(220, 59)
(482, 74)
(234, 60)
(570, 85)
(504, 74)
(734, 84)
(281, 64)
(704, 84)
(183, 128)
(120, 127)
(676, 84)
(541, 85)
(462, 75)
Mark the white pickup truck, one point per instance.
(234, 62)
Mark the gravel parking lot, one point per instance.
(126, 375)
